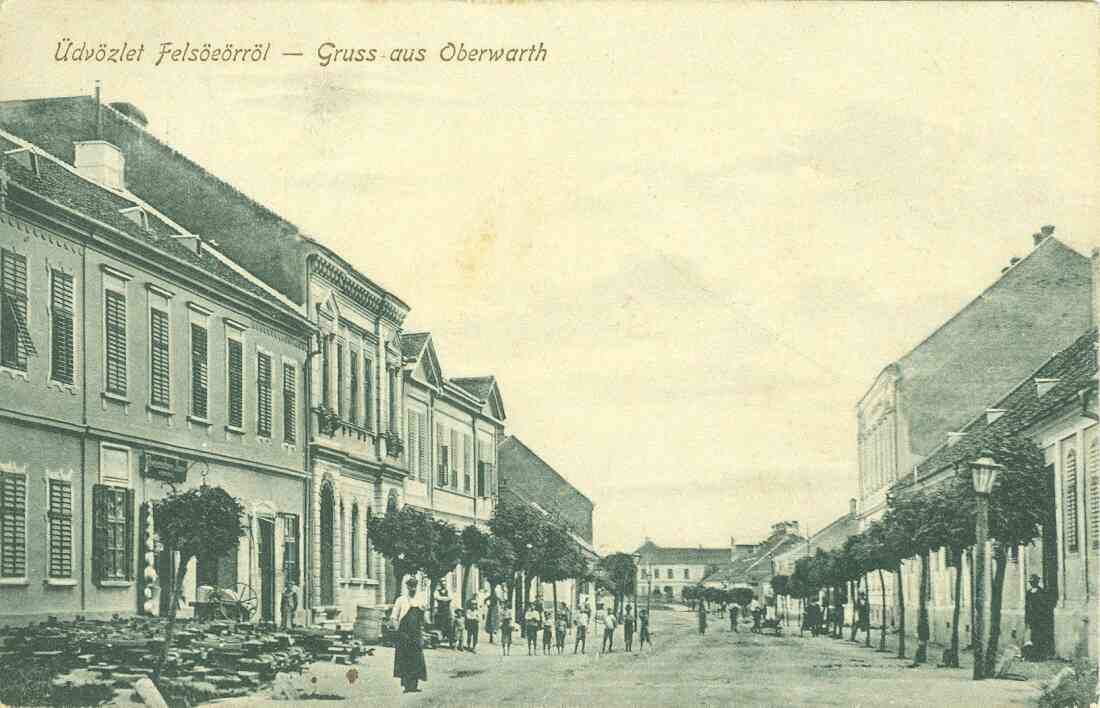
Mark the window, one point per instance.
(393, 399)
(368, 399)
(354, 541)
(113, 533)
(15, 339)
(442, 461)
(366, 545)
(340, 379)
(13, 525)
(263, 394)
(467, 463)
(200, 371)
(61, 327)
(234, 367)
(326, 362)
(454, 459)
(670, 574)
(1094, 490)
(290, 403)
(354, 387)
(290, 547)
(60, 516)
(425, 453)
(159, 375)
(687, 574)
(115, 333)
(1069, 494)
(481, 476)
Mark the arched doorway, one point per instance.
(393, 587)
(328, 585)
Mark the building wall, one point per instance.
(533, 479)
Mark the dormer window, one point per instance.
(26, 157)
(136, 215)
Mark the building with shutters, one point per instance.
(133, 354)
(453, 427)
(352, 421)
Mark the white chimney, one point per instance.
(101, 162)
(852, 509)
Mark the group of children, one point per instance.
(553, 626)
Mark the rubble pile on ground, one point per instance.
(216, 658)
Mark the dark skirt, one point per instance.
(408, 655)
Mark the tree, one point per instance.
(780, 585)
(498, 563)
(404, 538)
(619, 573)
(877, 557)
(558, 558)
(525, 529)
(202, 523)
(443, 554)
(474, 543)
(742, 596)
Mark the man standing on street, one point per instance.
(608, 633)
(702, 617)
(1038, 617)
(407, 616)
(735, 611)
(473, 625)
(582, 618)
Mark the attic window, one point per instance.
(993, 414)
(953, 438)
(25, 157)
(137, 215)
(1042, 386)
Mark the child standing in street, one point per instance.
(532, 620)
(643, 630)
(581, 620)
(560, 629)
(628, 628)
(457, 629)
(547, 630)
(506, 631)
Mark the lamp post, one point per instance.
(984, 471)
(637, 571)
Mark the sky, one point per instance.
(685, 244)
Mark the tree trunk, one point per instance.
(465, 583)
(953, 659)
(867, 593)
(177, 591)
(853, 590)
(922, 613)
(882, 593)
(1000, 555)
(554, 592)
(972, 580)
(431, 599)
(901, 612)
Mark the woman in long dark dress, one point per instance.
(408, 655)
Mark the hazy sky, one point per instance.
(685, 244)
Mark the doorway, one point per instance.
(266, 552)
(328, 501)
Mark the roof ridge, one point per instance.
(513, 436)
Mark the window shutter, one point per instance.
(481, 479)
(100, 494)
(326, 364)
(354, 387)
(467, 462)
(61, 327)
(129, 561)
(454, 458)
(115, 307)
(1094, 490)
(263, 395)
(15, 339)
(412, 438)
(441, 456)
(13, 525)
(236, 383)
(425, 453)
(290, 404)
(158, 358)
(1069, 515)
(200, 372)
(368, 398)
(61, 529)
(340, 378)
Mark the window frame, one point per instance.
(261, 432)
(166, 403)
(54, 314)
(116, 283)
(20, 472)
(20, 318)
(51, 516)
(290, 402)
(234, 335)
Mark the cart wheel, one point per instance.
(247, 601)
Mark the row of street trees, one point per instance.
(522, 545)
(921, 520)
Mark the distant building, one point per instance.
(668, 570)
(756, 568)
(830, 538)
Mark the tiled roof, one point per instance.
(480, 386)
(59, 184)
(652, 553)
(412, 343)
(522, 472)
(1074, 367)
(757, 565)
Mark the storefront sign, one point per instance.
(164, 468)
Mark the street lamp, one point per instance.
(637, 571)
(984, 471)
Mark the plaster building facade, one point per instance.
(453, 427)
(668, 570)
(352, 378)
(133, 354)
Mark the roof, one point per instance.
(1075, 368)
(1039, 305)
(659, 555)
(59, 183)
(829, 538)
(480, 386)
(524, 473)
(412, 343)
(756, 565)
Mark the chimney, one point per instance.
(733, 549)
(1043, 235)
(101, 162)
(852, 507)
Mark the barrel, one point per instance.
(368, 623)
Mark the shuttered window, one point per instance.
(235, 367)
(263, 394)
(1094, 491)
(455, 452)
(112, 533)
(443, 476)
(290, 547)
(61, 327)
(13, 525)
(353, 359)
(368, 397)
(200, 371)
(340, 379)
(367, 572)
(467, 463)
(354, 538)
(326, 364)
(393, 422)
(15, 338)
(159, 368)
(290, 404)
(412, 449)
(425, 451)
(1069, 505)
(115, 334)
(481, 479)
(61, 528)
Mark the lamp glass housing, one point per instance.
(984, 471)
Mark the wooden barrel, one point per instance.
(368, 623)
